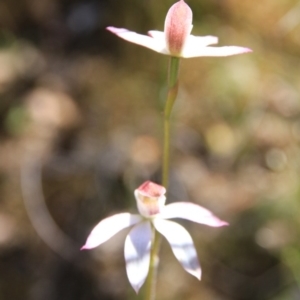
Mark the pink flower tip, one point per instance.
(151, 189)
(248, 50)
(223, 223)
(178, 26)
(116, 30)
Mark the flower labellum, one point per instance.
(151, 199)
(176, 39)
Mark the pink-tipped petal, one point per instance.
(109, 227)
(140, 39)
(137, 254)
(182, 245)
(191, 212)
(190, 51)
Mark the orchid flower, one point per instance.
(176, 39)
(150, 198)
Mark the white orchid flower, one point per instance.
(176, 39)
(150, 198)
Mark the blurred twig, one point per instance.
(37, 210)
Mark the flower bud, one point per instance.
(150, 198)
(178, 26)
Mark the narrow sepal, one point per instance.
(191, 212)
(192, 51)
(200, 41)
(108, 227)
(137, 254)
(158, 35)
(140, 39)
(182, 245)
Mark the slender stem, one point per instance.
(171, 97)
(166, 151)
(150, 292)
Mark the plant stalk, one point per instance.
(173, 72)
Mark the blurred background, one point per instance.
(81, 128)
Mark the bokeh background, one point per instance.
(80, 129)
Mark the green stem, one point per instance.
(152, 275)
(171, 97)
(173, 72)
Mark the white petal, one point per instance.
(181, 244)
(109, 227)
(158, 35)
(140, 39)
(137, 254)
(191, 51)
(191, 212)
(201, 41)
